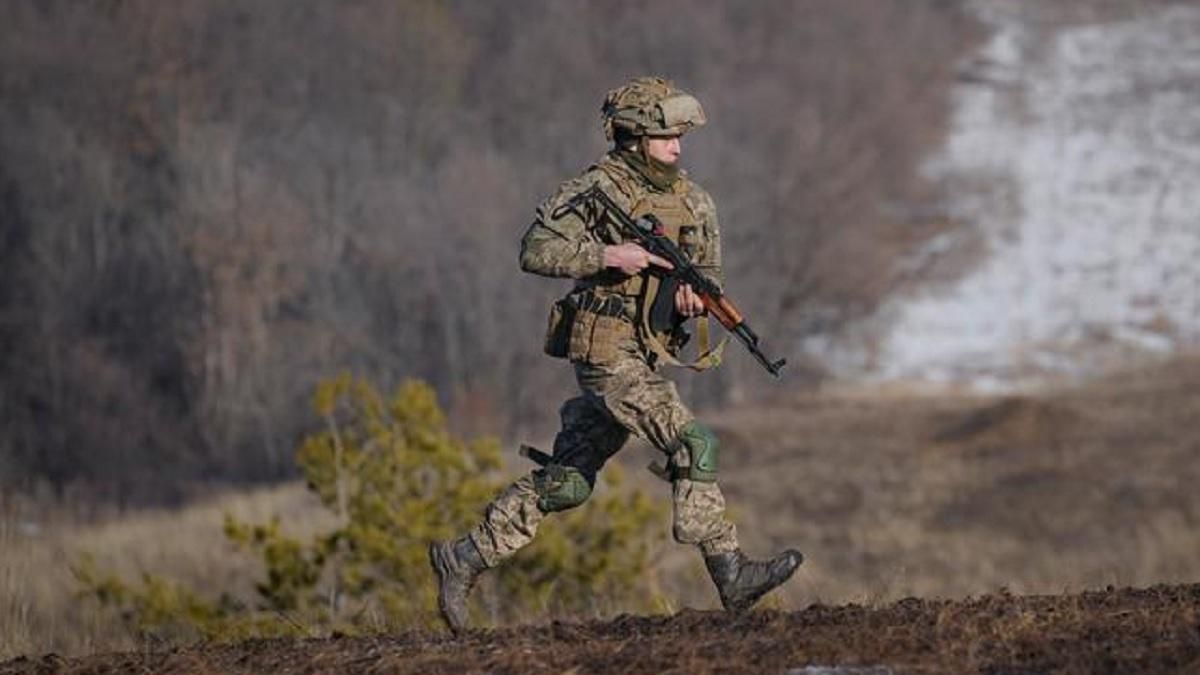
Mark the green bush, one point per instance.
(396, 478)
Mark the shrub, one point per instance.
(396, 478)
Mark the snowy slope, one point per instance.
(1077, 155)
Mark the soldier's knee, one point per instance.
(703, 447)
(561, 487)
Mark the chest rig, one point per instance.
(648, 298)
(656, 293)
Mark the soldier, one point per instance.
(616, 355)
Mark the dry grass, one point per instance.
(1113, 631)
(934, 495)
(38, 610)
(889, 494)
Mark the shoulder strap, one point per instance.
(708, 358)
(625, 180)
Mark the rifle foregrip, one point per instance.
(723, 310)
(728, 309)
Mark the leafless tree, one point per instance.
(209, 206)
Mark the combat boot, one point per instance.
(457, 565)
(741, 581)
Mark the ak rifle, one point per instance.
(648, 232)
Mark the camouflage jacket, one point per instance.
(572, 246)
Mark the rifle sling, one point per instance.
(708, 358)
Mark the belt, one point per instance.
(604, 305)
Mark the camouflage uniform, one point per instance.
(622, 391)
(603, 328)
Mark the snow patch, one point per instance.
(1083, 161)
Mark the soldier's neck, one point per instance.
(660, 175)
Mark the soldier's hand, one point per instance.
(687, 301)
(631, 258)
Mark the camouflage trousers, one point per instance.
(620, 397)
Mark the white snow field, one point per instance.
(1076, 155)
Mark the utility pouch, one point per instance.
(689, 241)
(596, 338)
(558, 329)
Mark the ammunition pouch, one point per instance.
(598, 328)
(558, 329)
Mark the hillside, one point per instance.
(889, 493)
(1126, 631)
(896, 493)
(964, 215)
(286, 191)
(1069, 158)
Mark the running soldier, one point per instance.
(602, 326)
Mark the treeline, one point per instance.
(209, 205)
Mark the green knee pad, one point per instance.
(702, 445)
(560, 487)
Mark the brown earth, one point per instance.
(901, 493)
(1155, 630)
(890, 494)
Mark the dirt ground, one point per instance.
(948, 498)
(1155, 630)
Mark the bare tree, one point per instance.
(209, 206)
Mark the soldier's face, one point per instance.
(665, 149)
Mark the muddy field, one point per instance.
(1156, 630)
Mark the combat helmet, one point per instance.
(650, 106)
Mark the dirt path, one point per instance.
(1154, 630)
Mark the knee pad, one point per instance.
(560, 487)
(702, 447)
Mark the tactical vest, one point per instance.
(612, 306)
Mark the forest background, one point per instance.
(209, 206)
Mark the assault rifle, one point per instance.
(648, 232)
